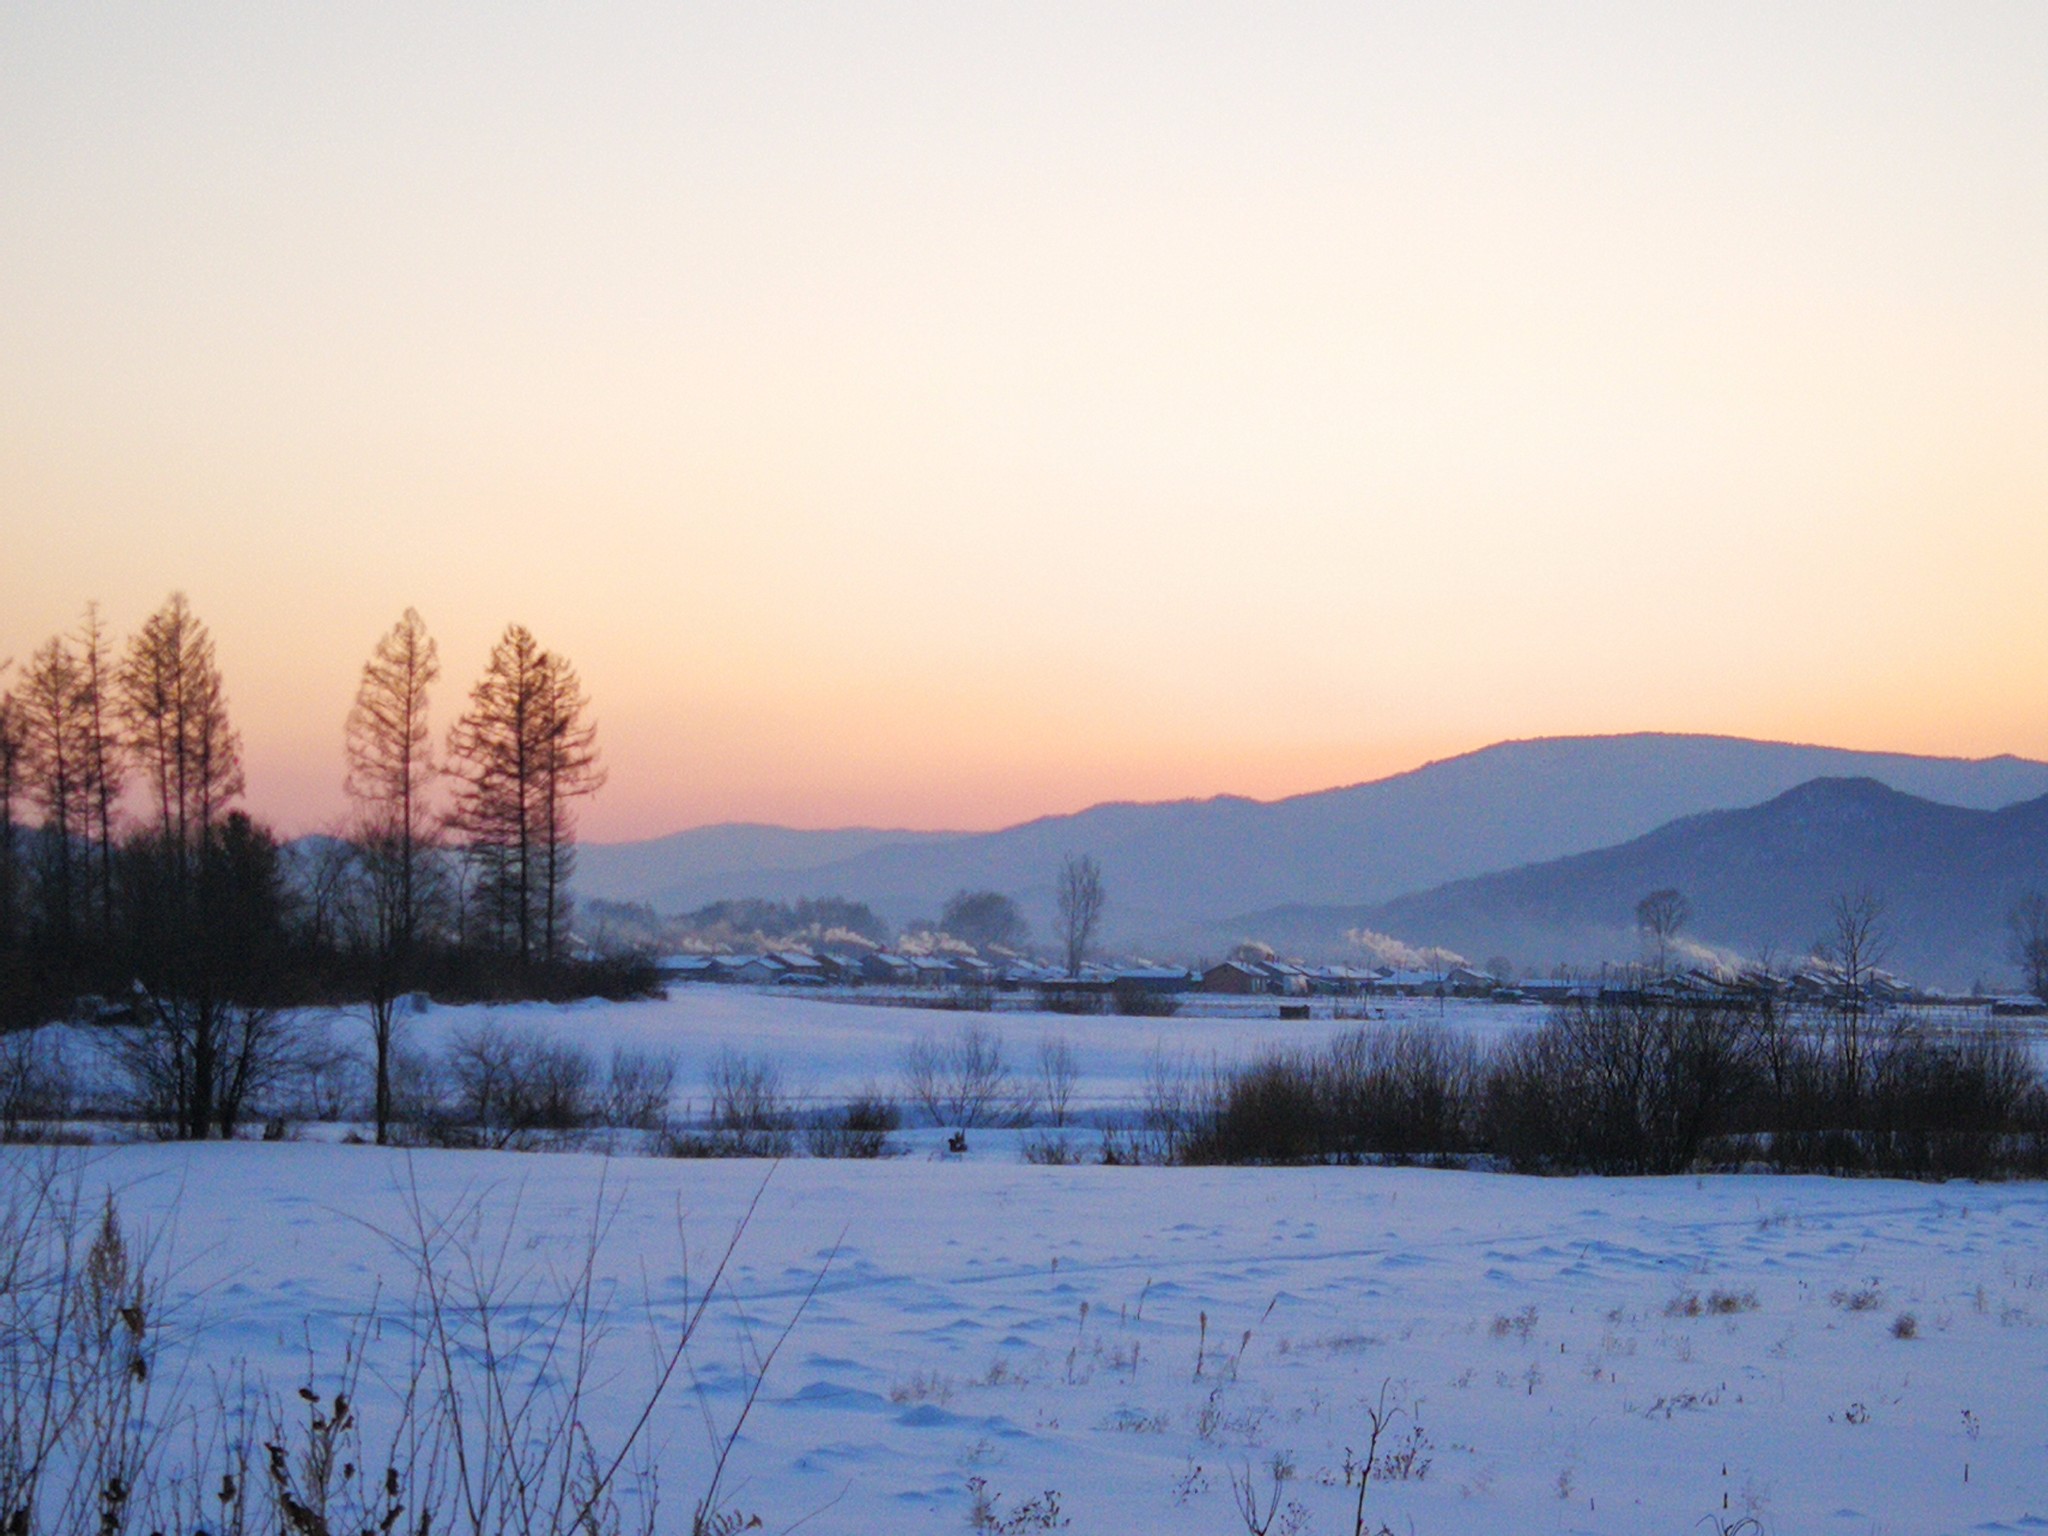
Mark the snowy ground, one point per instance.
(827, 1049)
(1129, 1337)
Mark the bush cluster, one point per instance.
(502, 1087)
(1630, 1086)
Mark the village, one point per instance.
(964, 979)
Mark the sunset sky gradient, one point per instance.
(937, 415)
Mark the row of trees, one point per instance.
(129, 870)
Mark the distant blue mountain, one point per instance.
(1173, 869)
(1757, 879)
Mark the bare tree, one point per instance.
(963, 1082)
(391, 775)
(491, 755)
(1857, 940)
(521, 754)
(102, 769)
(391, 768)
(2027, 931)
(1659, 917)
(13, 746)
(206, 882)
(569, 772)
(53, 723)
(1081, 900)
(1058, 1070)
(173, 707)
(1856, 943)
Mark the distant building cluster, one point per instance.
(892, 971)
(798, 967)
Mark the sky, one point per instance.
(937, 415)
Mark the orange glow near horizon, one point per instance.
(934, 417)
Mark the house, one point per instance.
(890, 969)
(1237, 978)
(757, 970)
(1463, 981)
(847, 970)
(687, 968)
(1149, 978)
(1288, 977)
(1413, 983)
(1341, 980)
(2024, 1006)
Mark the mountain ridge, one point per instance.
(1173, 867)
(1758, 879)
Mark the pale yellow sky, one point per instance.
(938, 415)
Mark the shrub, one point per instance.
(512, 1087)
(1269, 1112)
(36, 1089)
(963, 1081)
(1620, 1086)
(750, 1115)
(638, 1089)
(1050, 1151)
(1138, 1001)
(1401, 1093)
(861, 1129)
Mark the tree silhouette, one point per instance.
(2027, 930)
(1081, 900)
(391, 774)
(521, 755)
(1660, 915)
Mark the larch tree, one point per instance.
(569, 771)
(391, 776)
(13, 746)
(521, 755)
(54, 727)
(101, 768)
(173, 707)
(193, 956)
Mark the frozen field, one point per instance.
(1623, 1356)
(827, 1049)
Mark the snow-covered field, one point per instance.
(1805, 1355)
(1568, 1355)
(828, 1049)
